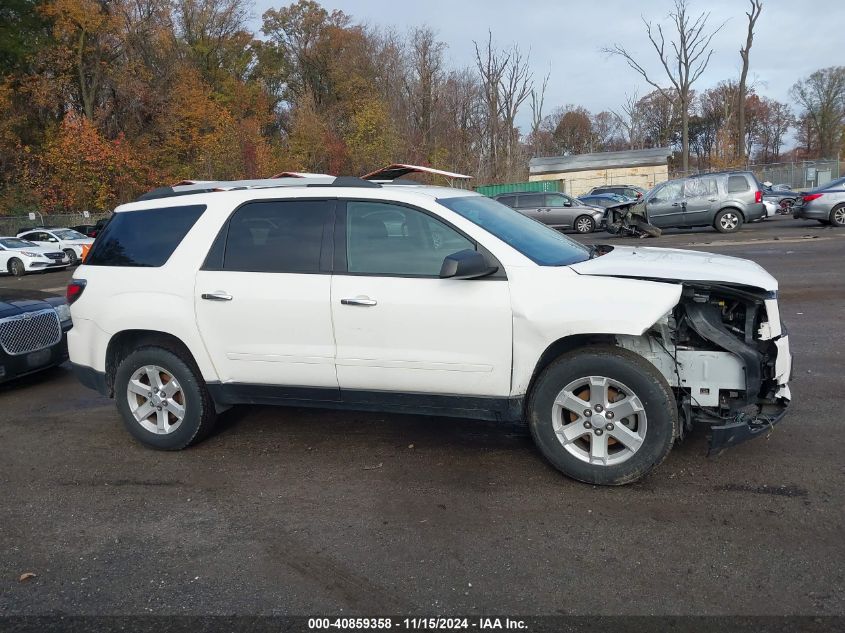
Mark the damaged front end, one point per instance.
(725, 351)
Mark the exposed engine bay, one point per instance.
(725, 352)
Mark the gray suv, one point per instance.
(557, 210)
(722, 200)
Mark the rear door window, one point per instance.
(277, 236)
(700, 187)
(145, 238)
(508, 200)
(738, 184)
(531, 200)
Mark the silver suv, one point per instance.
(557, 210)
(722, 200)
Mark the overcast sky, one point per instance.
(565, 37)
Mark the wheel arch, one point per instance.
(732, 207)
(564, 345)
(123, 343)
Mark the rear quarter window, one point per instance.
(145, 238)
(738, 184)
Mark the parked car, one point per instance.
(428, 300)
(74, 244)
(772, 209)
(723, 200)
(825, 204)
(632, 192)
(780, 195)
(33, 332)
(18, 257)
(606, 200)
(557, 210)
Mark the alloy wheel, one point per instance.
(599, 420)
(584, 225)
(156, 399)
(839, 216)
(729, 221)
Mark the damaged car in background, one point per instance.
(385, 294)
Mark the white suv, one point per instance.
(346, 293)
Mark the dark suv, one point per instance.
(723, 200)
(557, 210)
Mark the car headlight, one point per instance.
(28, 254)
(62, 311)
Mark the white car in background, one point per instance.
(18, 256)
(73, 243)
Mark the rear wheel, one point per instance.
(585, 224)
(603, 415)
(72, 257)
(163, 400)
(16, 267)
(837, 215)
(728, 221)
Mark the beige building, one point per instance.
(582, 172)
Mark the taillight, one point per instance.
(74, 290)
(758, 197)
(811, 196)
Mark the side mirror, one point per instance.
(567, 204)
(466, 264)
(52, 239)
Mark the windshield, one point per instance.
(68, 234)
(539, 243)
(13, 242)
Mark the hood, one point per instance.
(674, 264)
(35, 248)
(14, 302)
(81, 240)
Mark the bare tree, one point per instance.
(506, 82)
(683, 64)
(538, 99)
(630, 120)
(744, 53)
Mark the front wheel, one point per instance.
(728, 221)
(837, 215)
(16, 267)
(72, 256)
(786, 206)
(603, 415)
(163, 399)
(585, 224)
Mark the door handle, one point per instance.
(216, 296)
(359, 301)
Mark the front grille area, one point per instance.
(56, 256)
(30, 332)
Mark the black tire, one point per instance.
(728, 221)
(16, 267)
(584, 224)
(632, 371)
(837, 215)
(824, 222)
(72, 256)
(199, 414)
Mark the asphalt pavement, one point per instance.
(305, 511)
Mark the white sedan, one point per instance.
(19, 256)
(73, 243)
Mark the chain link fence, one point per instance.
(804, 174)
(11, 225)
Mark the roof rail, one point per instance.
(209, 186)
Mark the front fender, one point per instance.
(551, 303)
